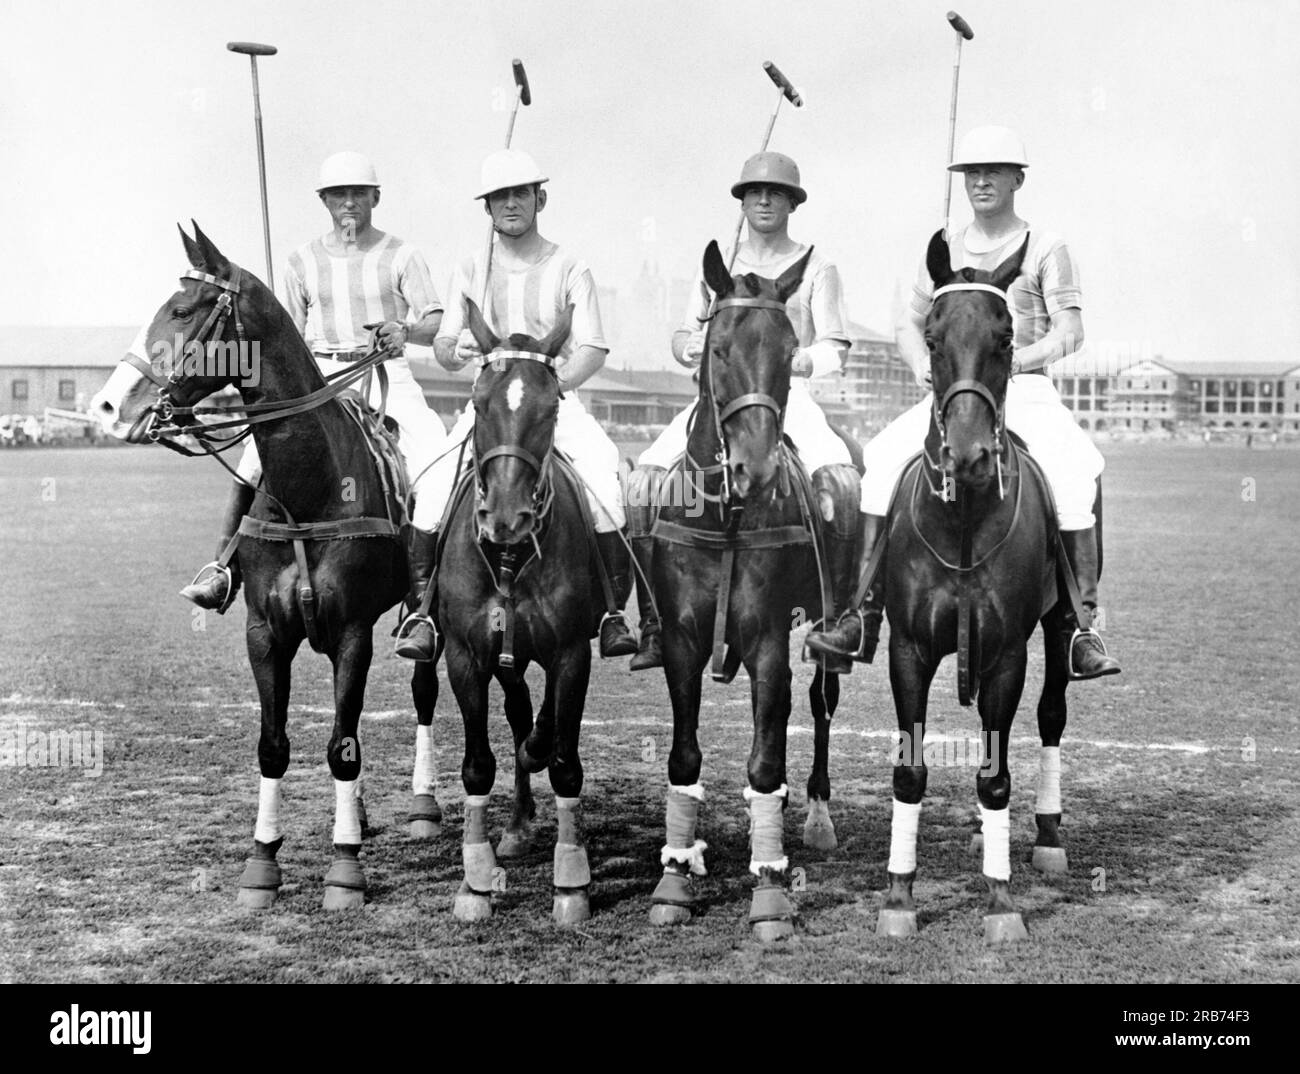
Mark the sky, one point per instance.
(1162, 140)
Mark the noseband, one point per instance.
(940, 406)
(723, 413)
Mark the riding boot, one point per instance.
(650, 651)
(615, 635)
(1088, 656)
(217, 590)
(858, 631)
(417, 637)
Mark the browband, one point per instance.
(947, 288)
(752, 303)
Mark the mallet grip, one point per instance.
(783, 83)
(521, 80)
(251, 48)
(960, 25)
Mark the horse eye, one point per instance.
(180, 313)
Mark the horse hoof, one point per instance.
(256, 898)
(337, 898)
(515, 844)
(1050, 860)
(471, 905)
(977, 843)
(772, 931)
(898, 924)
(662, 914)
(571, 908)
(819, 835)
(425, 829)
(1004, 928)
(425, 817)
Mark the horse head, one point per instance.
(969, 334)
(745, 375)
(516, 402)
(206, 336)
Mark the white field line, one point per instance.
(796, 728)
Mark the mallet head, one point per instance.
(521, 80)
(774, 73)
(251, 48)
(960, 25)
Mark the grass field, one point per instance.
(1180, 782)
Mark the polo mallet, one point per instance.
(786, 92)
(522, 95)
(252, 50)
(964, 33)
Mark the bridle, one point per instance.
(721, 413)
(544, 488)
(946, 492)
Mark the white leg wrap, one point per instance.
(695, 790)
(1049, 780)
(683, 814)
(347, 818)
(766, 812)
(267, 829)
(423, 780)
(692, 857)
(902, 837)
(997, 842)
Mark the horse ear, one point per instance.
(1005, 274)
(788, 282)
(715, 271)
(213, 259)
(937, 261)
(192, 250)
(550, 346)
(478, 328)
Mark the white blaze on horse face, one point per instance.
(515, 394)
(107, 404)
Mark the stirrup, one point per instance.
(1073, 672)
(408, 626)
(231, 590)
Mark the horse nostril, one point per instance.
(523, 521)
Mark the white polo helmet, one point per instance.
(346, 169)
(990, 145)
(508, 168)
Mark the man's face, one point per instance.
(767, 208)
(992, 187)
(350, 206)
(514, 210)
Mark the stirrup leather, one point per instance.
(231, 590)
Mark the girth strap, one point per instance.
(337, 530)
(775, 537)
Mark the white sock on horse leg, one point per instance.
(571, 867)
(997, 842)
(1049, 780)
(347, 818)
(683, 813)
(267, 829)
(476, 852)
(902, 837)
(424, 778)
(766, 812)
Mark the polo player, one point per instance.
(530, 282)
(336, 288)
(1046, 304)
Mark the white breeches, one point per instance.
(805, 424)
(1035, 412)
(577, 434)
(421, 432)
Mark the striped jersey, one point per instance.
(529, 299)
(332, 296)
(1048, 283)
(816, 309)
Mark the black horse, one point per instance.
(733, 581)
(302, 579)
(971, 569)
(519, 584)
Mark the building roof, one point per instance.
(860, 331)
(60, 346)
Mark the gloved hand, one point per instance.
(393, 336)
(693, 351)
(467, 348)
